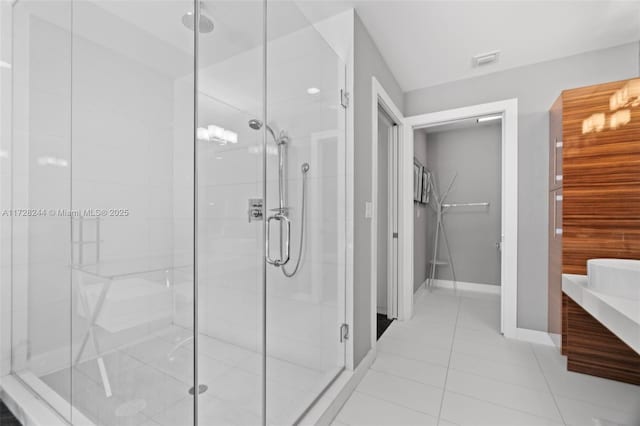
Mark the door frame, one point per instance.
(391, 310)
(380, 98)
(509, 194)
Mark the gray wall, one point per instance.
(367, 63)
(474, 154)
(536, 87)
(420, 219)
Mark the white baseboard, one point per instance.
(466, 286)
(325, 410)
(556, 339)
(534, 336)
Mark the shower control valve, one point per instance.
(256, 209)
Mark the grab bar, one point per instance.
(284, 242)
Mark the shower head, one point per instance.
(256, 124)
(205, 25)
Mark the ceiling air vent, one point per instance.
(485, 58)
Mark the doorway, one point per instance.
(508, 244)
(399, 270)
(457, 225)
(387, 213)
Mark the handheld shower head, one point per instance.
(256, 124)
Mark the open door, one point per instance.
(392, 261)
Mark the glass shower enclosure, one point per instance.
(177, 171)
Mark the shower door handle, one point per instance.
(285, 224)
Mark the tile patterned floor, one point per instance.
(449, 366)
(151, 388)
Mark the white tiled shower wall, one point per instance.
(112, 144)
(302, 312)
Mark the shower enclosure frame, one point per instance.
(347, 345)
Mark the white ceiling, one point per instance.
(426, 43)
(238, 24)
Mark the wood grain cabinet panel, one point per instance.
(555, 261)
(600, 180)
(555, 145)
(600, 217)
(592, 349)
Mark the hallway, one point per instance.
(450, 366)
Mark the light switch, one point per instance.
(368, 209)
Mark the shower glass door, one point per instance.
(268, 343)
(229, 238)
(103, 157)
(305, 296)
(132, 248)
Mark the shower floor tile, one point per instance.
(116, 362)
(283, 372)
(150, 382)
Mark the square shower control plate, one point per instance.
(256, 209)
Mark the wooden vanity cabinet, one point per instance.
(594, 212)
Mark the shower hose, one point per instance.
(305, 169)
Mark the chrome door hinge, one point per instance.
(344, 332)
(344, 98)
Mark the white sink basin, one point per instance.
(615, 277)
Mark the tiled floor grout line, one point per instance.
(404, 407)
(493, 379)
(386, 373)
(528, 413)
(522, 360)
(553, 396)
(416, 359)
(453, 339)
(573, 397)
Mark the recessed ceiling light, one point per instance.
(313, 90)
(485, 58)
(489, 118)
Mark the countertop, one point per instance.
(621, 316)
